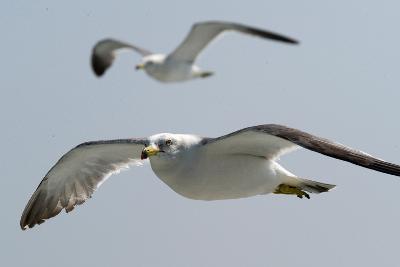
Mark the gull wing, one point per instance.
(78, 173)
(271, 141)
(103, 54)
(203, 33)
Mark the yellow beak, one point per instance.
(139, 66)
(149, 151)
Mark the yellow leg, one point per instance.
(291, 190)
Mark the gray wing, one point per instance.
(75, 177)
(273, 140)
(203, 33)
(103, 54)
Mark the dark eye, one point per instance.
(168, 142)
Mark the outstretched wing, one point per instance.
(75, 177)
(271, 140)
(203, 33)
(103, 54)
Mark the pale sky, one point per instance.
(341, 83)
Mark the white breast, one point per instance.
(171, 71)
(217, 177)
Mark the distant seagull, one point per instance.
(240, 164)
(178, 65)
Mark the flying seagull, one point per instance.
(236, 165)
(178, 65)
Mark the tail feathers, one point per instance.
(313, 186)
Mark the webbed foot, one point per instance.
(206, 74)
(291, 190)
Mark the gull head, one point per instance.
(149, 63)
(166, 145)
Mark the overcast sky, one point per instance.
(341, 83)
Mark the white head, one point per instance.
(151, 61)
(166, 145)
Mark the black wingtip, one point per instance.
(98, 66)
(292, 41)
(273, 36)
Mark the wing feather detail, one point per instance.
(104, 51)
(75, 177)
(272, 140)
(201, 34)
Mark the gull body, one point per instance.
(237, 176)
(164, 69)
(179, 65)
(236, 165)
(195, 174)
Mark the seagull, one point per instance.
(237, 165)
(178, 65)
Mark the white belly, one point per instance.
(236, 176)
(171, 72)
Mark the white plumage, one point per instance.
(240, 164)
(178, 65)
